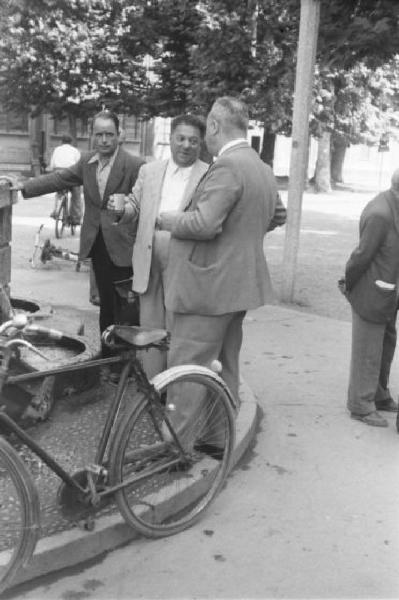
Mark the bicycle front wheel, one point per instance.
(61, 218)
(167, 490)
(19, 514)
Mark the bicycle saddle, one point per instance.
(139, 337)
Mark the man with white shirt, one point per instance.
(65, 155)
(217, 268)
(162, 186)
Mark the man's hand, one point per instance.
(16, 185)
(342, 286)
(167, 220)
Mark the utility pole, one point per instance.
(307, 45)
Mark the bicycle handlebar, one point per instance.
(22, 320)
(53, 334)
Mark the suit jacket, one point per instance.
(147, 192)
(216, 257)
(118, 240)
(376, 258)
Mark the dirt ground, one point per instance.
(329, 232)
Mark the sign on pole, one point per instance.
(308, 32)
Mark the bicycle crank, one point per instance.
(77, 505)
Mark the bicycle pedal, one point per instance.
(87, 524)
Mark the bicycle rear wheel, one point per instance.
(19, 514)
(61, 217)
(173, 490)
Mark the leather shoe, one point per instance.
(374, 419)
(388, 405)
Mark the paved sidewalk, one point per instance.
(324, 486)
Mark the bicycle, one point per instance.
(43, 251)
(162, 479)
(62, 214)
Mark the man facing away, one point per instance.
(371, 286)
(64, 156)
(217, 268)
(161, 186)
(106, 170)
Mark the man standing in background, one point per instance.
(371, 286)
(64, 156)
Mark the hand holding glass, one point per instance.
(116, 204)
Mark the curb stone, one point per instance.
(73, 547)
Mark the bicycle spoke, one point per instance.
(171, 495)
(19, 514)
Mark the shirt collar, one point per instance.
(96, 158)
(173, 167)
(395, 194)
(231, 144)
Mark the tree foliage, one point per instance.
(65, 57)
(161, 57)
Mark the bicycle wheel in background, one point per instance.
(173, 493)
(61, 217)
(19, 514)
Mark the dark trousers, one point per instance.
(106, 272)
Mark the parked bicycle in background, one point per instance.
(67, 211)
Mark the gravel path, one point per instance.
(329, 232)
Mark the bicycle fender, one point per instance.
(169, 374)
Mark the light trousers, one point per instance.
(373, 349)
(200, 339)
(152, 304)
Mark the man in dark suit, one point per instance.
(371, 286)
(216, 267)
(107, 170)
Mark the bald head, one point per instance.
(227, 121)
(231, 114)
(395, 180)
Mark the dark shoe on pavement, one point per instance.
(53, 214)
(388, 405)
(374, 419)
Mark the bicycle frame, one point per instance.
(130, 364)
(128, 359)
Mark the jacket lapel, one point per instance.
(393, 202)
(116, 174)
(156, 183)
(92, 182)
(192, 184)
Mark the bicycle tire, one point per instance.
(61, 217)
(171, 500)
(19, 515)
(35, 259)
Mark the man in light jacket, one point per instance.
(161, 185)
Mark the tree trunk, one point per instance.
(338, 151)
(322, 175)
(72, 127)
(269, 142)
